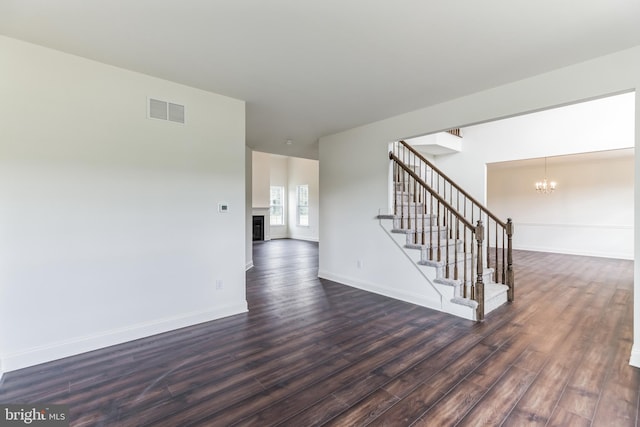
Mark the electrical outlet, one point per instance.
(359, 263)
(219, 284)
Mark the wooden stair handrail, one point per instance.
(453, 184)
(431, 191)
(499, 255)
(476, 233)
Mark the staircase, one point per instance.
(458, 245)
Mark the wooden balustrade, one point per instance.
(455, 132)
(446, 220)
(479, 285)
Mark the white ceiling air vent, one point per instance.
(157, 109)
(176, 113)
(164, 110)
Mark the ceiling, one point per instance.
(594, 156)
(312, 68)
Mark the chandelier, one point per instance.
(544, 186)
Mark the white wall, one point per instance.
(590, 213)
(248, 181)
(569, 224)
(261, 176)
(261, 166)
(355, 249)
(278, 176)
(303, 172)
(352, 192)
(602, 124)
(109, 222)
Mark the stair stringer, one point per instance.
(450, 300)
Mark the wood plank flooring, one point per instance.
(313, 352)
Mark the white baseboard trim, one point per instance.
(634, 360)
(574, 252)
(409, 297)
(58, 350)
(305, 238)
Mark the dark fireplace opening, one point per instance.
(258, 227)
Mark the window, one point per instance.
(303, 205)
(276, 206)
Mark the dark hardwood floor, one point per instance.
(313, 352)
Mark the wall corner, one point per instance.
(634, 360)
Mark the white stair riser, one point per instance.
(430, 235)
(450, 292)
(431, 238)
(453, 245)
(471, 277)
(407, 199)
(414, 254)
(494, 302)
(414, 210)
(403, 197)
(411, 222)
(405, 238)
(487, 277)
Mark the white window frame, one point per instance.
(274, 218)
(302, 202)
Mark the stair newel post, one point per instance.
(504, 263)
(510, 281)
(479, 294)
(464, 262)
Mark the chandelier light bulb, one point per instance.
(545, 186)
